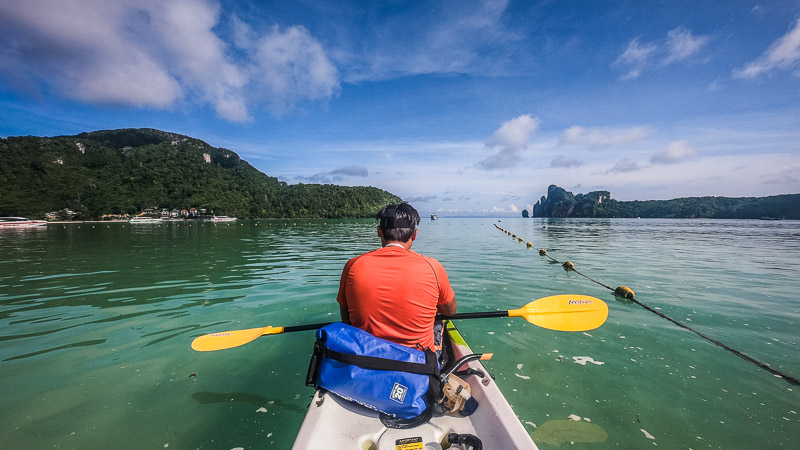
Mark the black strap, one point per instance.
(435, 386)
(404, 424)
(375, 363)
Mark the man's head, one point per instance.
(398, 222)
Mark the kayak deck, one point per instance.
(333, 423)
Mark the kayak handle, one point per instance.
(464, 359)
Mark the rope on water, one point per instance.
(628, 294)
(765, 366)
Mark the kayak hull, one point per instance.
(332, 423)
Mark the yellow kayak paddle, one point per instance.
(557, 312)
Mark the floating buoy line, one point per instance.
(628, 296)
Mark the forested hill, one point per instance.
(562, 203)
(126, 171)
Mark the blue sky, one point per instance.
(459, 107)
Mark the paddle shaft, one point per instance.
(471, 315)
(308, 327)
(474, 315)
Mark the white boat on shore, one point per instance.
(21, 222)
(146, 220)
(221, 219)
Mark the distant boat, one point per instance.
(221, 219)
(146, 220)
(434, 217)
(21, 222)
(771, 218)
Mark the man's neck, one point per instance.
(405, 245)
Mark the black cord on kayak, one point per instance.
(626, 293)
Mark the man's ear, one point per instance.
(380, 232)
(414, 235)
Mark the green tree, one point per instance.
(125, 171)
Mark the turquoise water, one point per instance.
(97, 319)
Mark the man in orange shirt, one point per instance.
(392, 292)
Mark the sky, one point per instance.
(459, 107)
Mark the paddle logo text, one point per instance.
(220, 334)
(580, 302)
(398, 393)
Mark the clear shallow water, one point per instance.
(96, 322)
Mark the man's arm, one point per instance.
(345, 314)
(448, 309)
(341, 296)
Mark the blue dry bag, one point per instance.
(374, 372)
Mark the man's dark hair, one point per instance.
(398, 221)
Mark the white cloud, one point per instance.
(751, 175)
(565, 162)
(504, 159)
(784, 54)
(335, 176)
(636, 56)
(462, 37)
(154, 54)
(680, 44)
(512, 138)
(603, 137)
(515, 133)
(424, 199)
(431, 176)
(81, 51)
(626, 165)
(351, 171)
(195, 56)
(290, 62)
(787, 175)
(675, 152)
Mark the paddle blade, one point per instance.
(564, 312)
(230, 339)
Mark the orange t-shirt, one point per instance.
(393, 293)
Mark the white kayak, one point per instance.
(333, 423)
